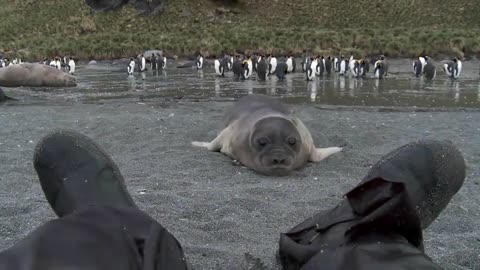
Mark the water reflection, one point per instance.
(312, 88)
(132, 83)
(218, 88)
(273, 85)
(455, 85)
(144, 84)
(376, 87)
(289, 79)
(249, 86)
(352, 85)
(478, 93)
(342, 82)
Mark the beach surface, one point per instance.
(224, 215)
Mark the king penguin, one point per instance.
(336, 64)
(159, 61)
(354, 67)
(164, 62)
(316, 66)
(321, 65)
(305, 60)
(417, 67)
(143, 63)
(290, 67)
(423, 61)
(310, 69)
(342, 68)
(255, 61)
(379, 71)
(131, 67)
(200, 61)
(71, 65)
(219, 68)
(385, 64)
(53, 63)
(230, 63)
(247, 68)
(262, 68)
(153, 62)
(364, 68)
(259, 58)
(429, 71)
(453, 68)
(237, 68)
(281, 70)
(272, 65)
(328, 65)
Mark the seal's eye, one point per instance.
(292, 141)
(262, 141)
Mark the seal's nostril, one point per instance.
(279, 161)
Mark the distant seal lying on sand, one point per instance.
(264, 135)
(28, 74)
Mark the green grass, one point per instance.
(399, 28)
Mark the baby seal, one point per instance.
(263, 134)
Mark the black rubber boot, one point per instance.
(75, 172)
(432, 171)
(378, 225)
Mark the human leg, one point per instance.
(379, 223)
(99, 226)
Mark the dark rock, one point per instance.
(222, 10)
(106, 5)
(3, 97)
(149, 6)
(143, 6)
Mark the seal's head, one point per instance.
(275, 144)
(69, 80)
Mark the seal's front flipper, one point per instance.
(319, 154)
(217, 143)
(214, 145)
(201, 144)
(211, 146)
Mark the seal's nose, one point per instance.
(280, 159)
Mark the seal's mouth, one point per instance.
(279, 170)
(277, 164)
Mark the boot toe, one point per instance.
(433, 171)
(75, 172)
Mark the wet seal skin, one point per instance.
(263, 134)
(35, 75)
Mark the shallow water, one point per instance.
(400, 89)
(218, 211)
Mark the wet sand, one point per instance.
(226, 216)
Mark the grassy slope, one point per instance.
(396, 27)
